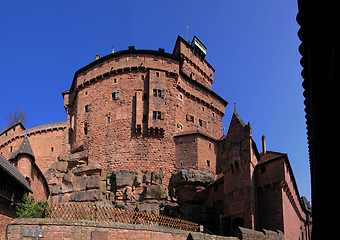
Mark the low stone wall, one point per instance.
(80, 230)
(248, 234)
(57, 229)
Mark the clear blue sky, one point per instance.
(253, 45)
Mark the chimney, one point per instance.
(97, 56)
(113, 49)
(264, 144)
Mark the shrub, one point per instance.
(28, 208)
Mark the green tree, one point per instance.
(28, 208)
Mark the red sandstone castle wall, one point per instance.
(35, 178)
(148, 110)
(123, 133)
(196, 151)
(293, 214)
(47, 142)
(126, 109)
(279, 206)
(9, 140)
(199, 70)
(115, 142)
(239, 160)
(270, 195)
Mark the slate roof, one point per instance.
(6, 166)
(25, 148)
(270, 156)
(306, 204)
(238, 118)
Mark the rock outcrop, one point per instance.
(71, 179)
(189, 185)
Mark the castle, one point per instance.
(144, 131)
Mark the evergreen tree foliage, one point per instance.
(28, 208)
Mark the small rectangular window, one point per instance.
(208, 163)
(157, 74)
(190, 118)
(117, 59)
(108, 119)
(202, 123)
(155, 58)
(52, 149)
(115, 95)
(159, 93)
(85, 129)
(87, 108)
(157, 115)
(162, 93)
(143, 78)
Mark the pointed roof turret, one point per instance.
(237, 123)
(236, 118)
(25, 148)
